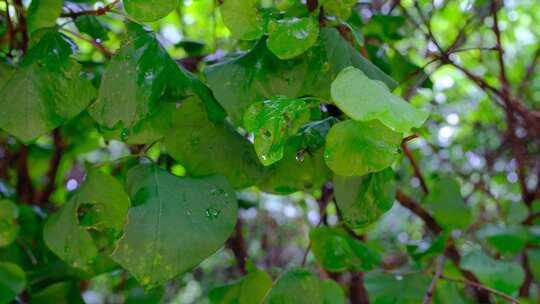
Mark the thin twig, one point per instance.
(482, 287)
(94, 43)
(416, 167)
(98, 12)
(54, 164)
(438, 272)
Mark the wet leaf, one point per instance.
(176, 223)
(356, 148)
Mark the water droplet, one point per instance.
(217, 192)
(124, 135)
(212, 213)
(300, 156)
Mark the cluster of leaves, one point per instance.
(307, 103)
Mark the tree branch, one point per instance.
(451, 251)
(54, 164)
(98, 12)
(438, 272)
(357, 291)
(479, 286)
(237, 245)
(93, 42)
(25, 189)
(416, 167)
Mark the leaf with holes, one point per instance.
(94, 215)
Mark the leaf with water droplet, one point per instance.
(279, 118)
(204, 148)
(290, 37)
(259, 75)
(140, 75)
(167, 234)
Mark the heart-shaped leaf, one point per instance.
(175, 224)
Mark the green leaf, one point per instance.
(249, 289)
(337, 251)
(139, 76)
(9, 228)
(299, 286)
(356, 148)
(364, 199)
(272, 123)
(364, 99)
(505, 276)
(297, 171)
(333, 292)
(533, 256)
(12, 281)
(67, 292)
(242, 18)
(448, 206)
(507, 240)
(204, 148)
(302, 167)
(152, 128)
(290, 37)
(387, 288)
(45, 91)
(43, 13)
(99, 205)
(424, 249)
(259, 75)
(149, 10)
(176, 223)
(338, 8)
(92, 26)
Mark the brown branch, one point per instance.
(417, 209)
(451, 251)
(525, 288)
(531, 218)
(25, 189)
(416, 167)
(500, 52)
(237, 245)
(93, 42)
(98, 12)
(479, 286)
(22, 24)
(357, 291)
(438, 272)
(54, 164)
